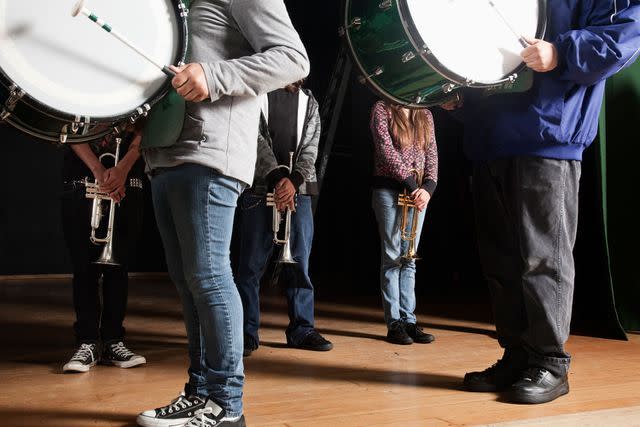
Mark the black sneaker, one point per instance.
(537, 385)
(85, 357)
(313, 341)
(497, 377)
(397, 334)
(250, 345)
(118, 354)
(214, 415)
(417, 334)
(175, 414)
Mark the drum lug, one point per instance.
(376, 72)
(15, 95)
(408, 56)
(80, 123)
(141, 111)
(355, 23)
(449, 87)
(512, 78)
(386, 4)
(64, 133)
(184, 12)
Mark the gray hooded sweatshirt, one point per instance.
(247, 48)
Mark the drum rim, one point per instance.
(181, 12)
(419, 45)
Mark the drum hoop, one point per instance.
(370, 82)
(183, 31)
(425, 53)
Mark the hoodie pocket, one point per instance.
(192, 130)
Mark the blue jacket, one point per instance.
(558, 117)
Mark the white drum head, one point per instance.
(72, 65)
(469, 38)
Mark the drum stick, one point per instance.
(521, 39)
(80, 8)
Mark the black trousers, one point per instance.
(527, 214)
(100, 316)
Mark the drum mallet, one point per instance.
(521, 39)
(80, 8)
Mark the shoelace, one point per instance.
(85, 351)
(493, 367)
(534, 374)
(121, 351)
(200, 420)
(180, 403)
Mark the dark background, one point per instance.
(346, 250)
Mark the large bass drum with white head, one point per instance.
(418, 52)
(62, 79)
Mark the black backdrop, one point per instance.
(346, 252)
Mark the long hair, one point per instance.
(409, 129)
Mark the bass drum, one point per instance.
(62, 79)
(417, 52)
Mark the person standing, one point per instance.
(406, 160)
(290, 131)
(527, 150)
(239, 49)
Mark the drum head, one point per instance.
(72, 66)
(470, 39)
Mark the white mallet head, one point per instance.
(77, 8)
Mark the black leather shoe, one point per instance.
(313, 341)
(397, 334)
(250, 345)
(537, 385)
(418, 335)
(497, 377)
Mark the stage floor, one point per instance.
(364, 381)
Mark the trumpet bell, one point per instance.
(107, 257)
(285, 255)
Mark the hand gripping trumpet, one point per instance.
(285, 256)
(93, 192)
(406, 203)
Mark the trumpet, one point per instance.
(285, 255)
(406, 203)
(93, 192)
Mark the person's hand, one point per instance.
(114, 178)
(540, 56)
(285, 193)
(190, 82)
(98, 174)
(454, 104)
(118, 194)
(421, 198)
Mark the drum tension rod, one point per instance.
(15, 95)
(376, 72)
(386, 4)
(356, 23)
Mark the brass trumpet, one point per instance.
(405, 201)
(285, 255)
(93, 192)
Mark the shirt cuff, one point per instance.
(430, 186)
(410, 183)
(274, 177)
(297, 179)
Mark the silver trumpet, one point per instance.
(93, 192)
(285, 255)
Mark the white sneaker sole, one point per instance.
(77, 367)
(145, 421)
(136, 361)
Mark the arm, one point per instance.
(609, 42)
(431, 159)
(385, 153)
(305, 166)
(280, 57)
(89, 158)
(116, 177)
(266, 163)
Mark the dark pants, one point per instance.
(95, 319)
(256, 246)
(527, 212)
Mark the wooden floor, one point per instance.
(364, 381)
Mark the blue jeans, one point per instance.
(256, 246)
(397, 275)
(194, 208)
